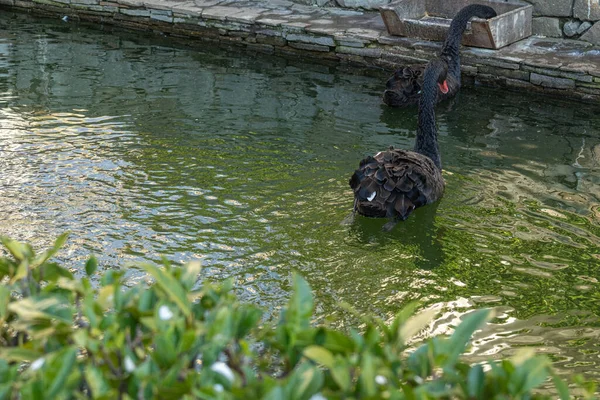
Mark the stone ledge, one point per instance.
(551, 82)
(558, 67)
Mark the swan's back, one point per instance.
(394, 183)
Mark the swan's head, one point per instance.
(437, 68)
(442, 79)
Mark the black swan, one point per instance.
(395, 182)
(404, 87)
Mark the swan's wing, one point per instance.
(394, 183)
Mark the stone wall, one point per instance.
(551, 66)
(569, 19)
(573, 19)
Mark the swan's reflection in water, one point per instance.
(419, 236)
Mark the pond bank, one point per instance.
(558, 67)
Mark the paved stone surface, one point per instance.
(546, 26)
(567, 68)
(368, 4)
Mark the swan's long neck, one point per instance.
(450, 50)
(426, 143)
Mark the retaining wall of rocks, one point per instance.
(565, 68)
(574, 19)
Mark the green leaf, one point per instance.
(18, 250)
(31, 309)
(58, 243)
(561, 387)
(416, 323)
(19, 354)
(320, 355)
(91, 265)
(171, 286)
(341, 373)
(367, 375)
(66, 362)
(401, 317)
(165, 353)
(191, 271)
(476, 382)
(245, 319)
(334, 341)
(535, 370)
(21, 272)
(300, 306)
(305, 381)
(96, 381)
(462, 334)
(4, 300)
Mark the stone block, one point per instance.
(309, 47)
(497, 63)
(519, 84)
(157, 11)
(363, 52)
(552, 8)
(581, 76)
(295, 27)
(24, 4)
(468, 70)
(261, 48)
(508, 73)
(546, 26)
(161, 17)
(270, 40)
(584, 27)
(593, 34)
(366, 4)
(318, 40)
(269, 32)
(350, 43)
(402, 58)
(271, 21)
(570, 28)
(586, 10)
(551, 82)
(352, 59)
(135, 13)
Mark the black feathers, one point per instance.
(404, 88)
(395, 182)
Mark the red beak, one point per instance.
(443, 87)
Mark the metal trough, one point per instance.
(430, 19)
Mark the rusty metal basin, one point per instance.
(430, 19)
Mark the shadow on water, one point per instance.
(419, 232)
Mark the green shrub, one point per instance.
(62, 338)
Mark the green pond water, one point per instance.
(140, 148)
